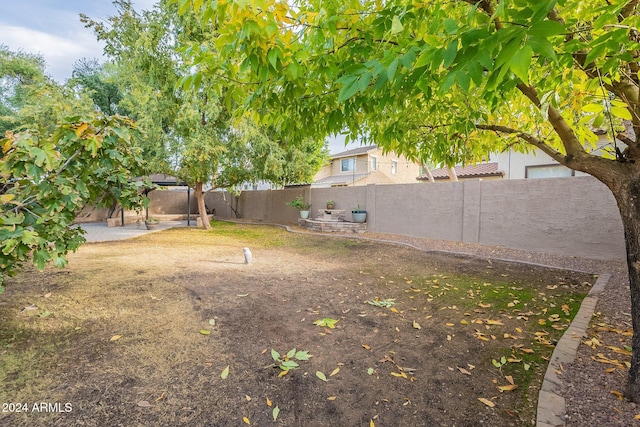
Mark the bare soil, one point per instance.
(140, 332)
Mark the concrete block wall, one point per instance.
(570, 216)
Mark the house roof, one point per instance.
(340, 179)
(478, 170)
(355, 152)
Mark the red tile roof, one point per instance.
(478, 170)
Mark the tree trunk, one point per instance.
(627, 194)
(202, 209)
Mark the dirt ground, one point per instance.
(141, 332)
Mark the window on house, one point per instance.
(348, 165)
(394, 167)
(373, 163)
(548, 171)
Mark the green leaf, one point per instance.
(521, 62)
(321, 375)
(205, 332)
(547, 28)
(391, 71)
(621, 112)
(450, 26)
(302, 355)
(225, 373)
(348, 90)
(288, 364)
(449, 55)
(275, 355)
(396, 25)
(291, 353)
(275, 413)
(593, 108)
(326, 322)
(370, 371)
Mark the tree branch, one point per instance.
(530, 139)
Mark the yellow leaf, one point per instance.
(487, 402)
(527, 350)
(331, 398)
(366, 347)
(493, 322)
(616, 394)
(480, 304)
(509, 387)
(449, 324)
(225, 373)
(416, 325)
(637, 417)
(116, 337)
(283, 373)
(509, 378)
(80, 129)
(371, 423)
(396, 374)
(464, 322)
(246, 420)
(395, 310)
(269, 402)
(335, 371)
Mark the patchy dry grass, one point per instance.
(117, 334)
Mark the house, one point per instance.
(366, 165)
(507, 165)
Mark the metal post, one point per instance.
(188, 206)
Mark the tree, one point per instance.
(100, 80)
(188, 131)
(48, 179)
(449, 81)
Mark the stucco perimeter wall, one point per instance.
(570, 216)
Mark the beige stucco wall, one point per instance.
(570, 216)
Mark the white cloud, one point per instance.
(60, 53)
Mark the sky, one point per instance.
(52, 29)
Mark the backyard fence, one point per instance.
(569, 216)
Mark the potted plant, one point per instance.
(300, 204)
(358, 214)
(331, 204)
(151, 223)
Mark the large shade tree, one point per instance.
(188, 131)
(449, 81)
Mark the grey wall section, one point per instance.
(569, 216)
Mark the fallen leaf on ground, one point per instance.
(225, 373)
(416, 325)
(115, 337)
(144, 404)
(246, 420)
(464, 371)
(275, 413)
(616, 394)
(509, 387)
(334, 372)
(487, 402)
(321, 375)
(205, 332)
(269, 402)
(331, 398)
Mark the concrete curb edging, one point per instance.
(551, 406)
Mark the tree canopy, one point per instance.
(189, 131)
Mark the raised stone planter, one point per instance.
(332, 226)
